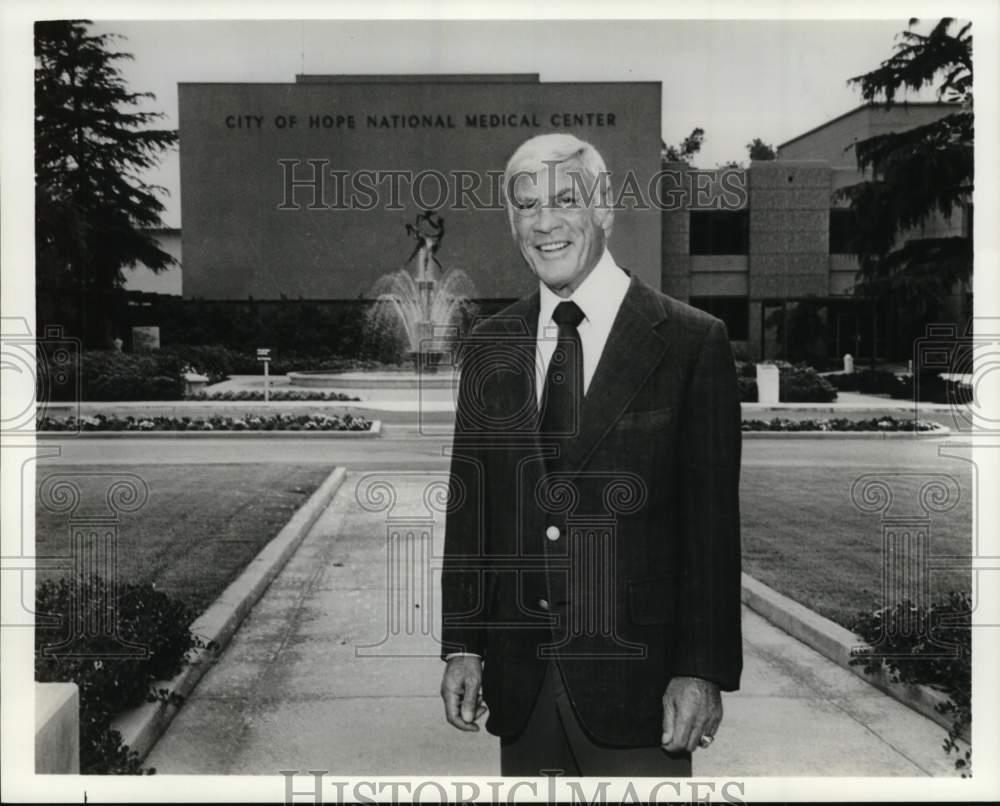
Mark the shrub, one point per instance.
(110, 679)
(306, 326)
(213, 361)
(802, 384)
(110, 375)
(929, 387)
(798, 383)
(930, 646)
(219, 362)
(747, 389)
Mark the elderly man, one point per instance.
(591, 583)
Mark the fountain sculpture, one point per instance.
(421, 297)
(422, 302)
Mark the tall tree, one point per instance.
(686, 149)
(757, 149)
(915, 174)
(92, 143)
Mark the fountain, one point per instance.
(422, 302)
(422, 298)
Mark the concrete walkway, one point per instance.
(336, 669)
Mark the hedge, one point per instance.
(930, 646)
(797, 383)
(928, 388)
(109, 375)
(111, 677)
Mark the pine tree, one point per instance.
(916, 174)
(92, 143)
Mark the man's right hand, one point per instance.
(461, 690)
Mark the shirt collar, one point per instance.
(602, 284)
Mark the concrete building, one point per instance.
(780, 255)
(763, 248)
(305, 189)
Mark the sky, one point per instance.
(736, 79)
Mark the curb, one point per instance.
(372, 433)
(140, 727)
(837, 644)
(943, 431)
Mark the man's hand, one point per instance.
(461, 690)
(692, 708)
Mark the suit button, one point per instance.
(543, 604)
(552, 533)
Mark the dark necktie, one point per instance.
(563, 393)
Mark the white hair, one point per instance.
(546, 150)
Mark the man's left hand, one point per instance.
(692, 708)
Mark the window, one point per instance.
(841, 231)
(720, 232)
(734, 311)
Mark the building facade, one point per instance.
(764, 248)
(305, 189)
(776, 266)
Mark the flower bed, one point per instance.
(246, 422)
(276, 395)
(835, 424)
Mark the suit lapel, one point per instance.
(633, 350)
(519, 386)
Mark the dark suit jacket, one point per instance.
(641, 582)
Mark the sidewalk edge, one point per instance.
(141, 727)
(836, 643)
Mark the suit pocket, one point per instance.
(650, 600)
(651, 419)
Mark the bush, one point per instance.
(303, 326)
(802, 384)
(109, 679)
(797, 383)
(110, 375)
(930, 646)
(219, 362)
(929, 388)
(747, 389)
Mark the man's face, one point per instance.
(558, 232)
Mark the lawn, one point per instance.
(803, 536)
(199, 528)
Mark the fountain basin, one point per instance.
(404, 385)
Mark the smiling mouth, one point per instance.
(555, 246)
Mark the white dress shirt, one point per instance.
(599, 297)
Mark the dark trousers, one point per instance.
(554, 743)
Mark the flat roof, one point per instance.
(417, 78)
(862, 107)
